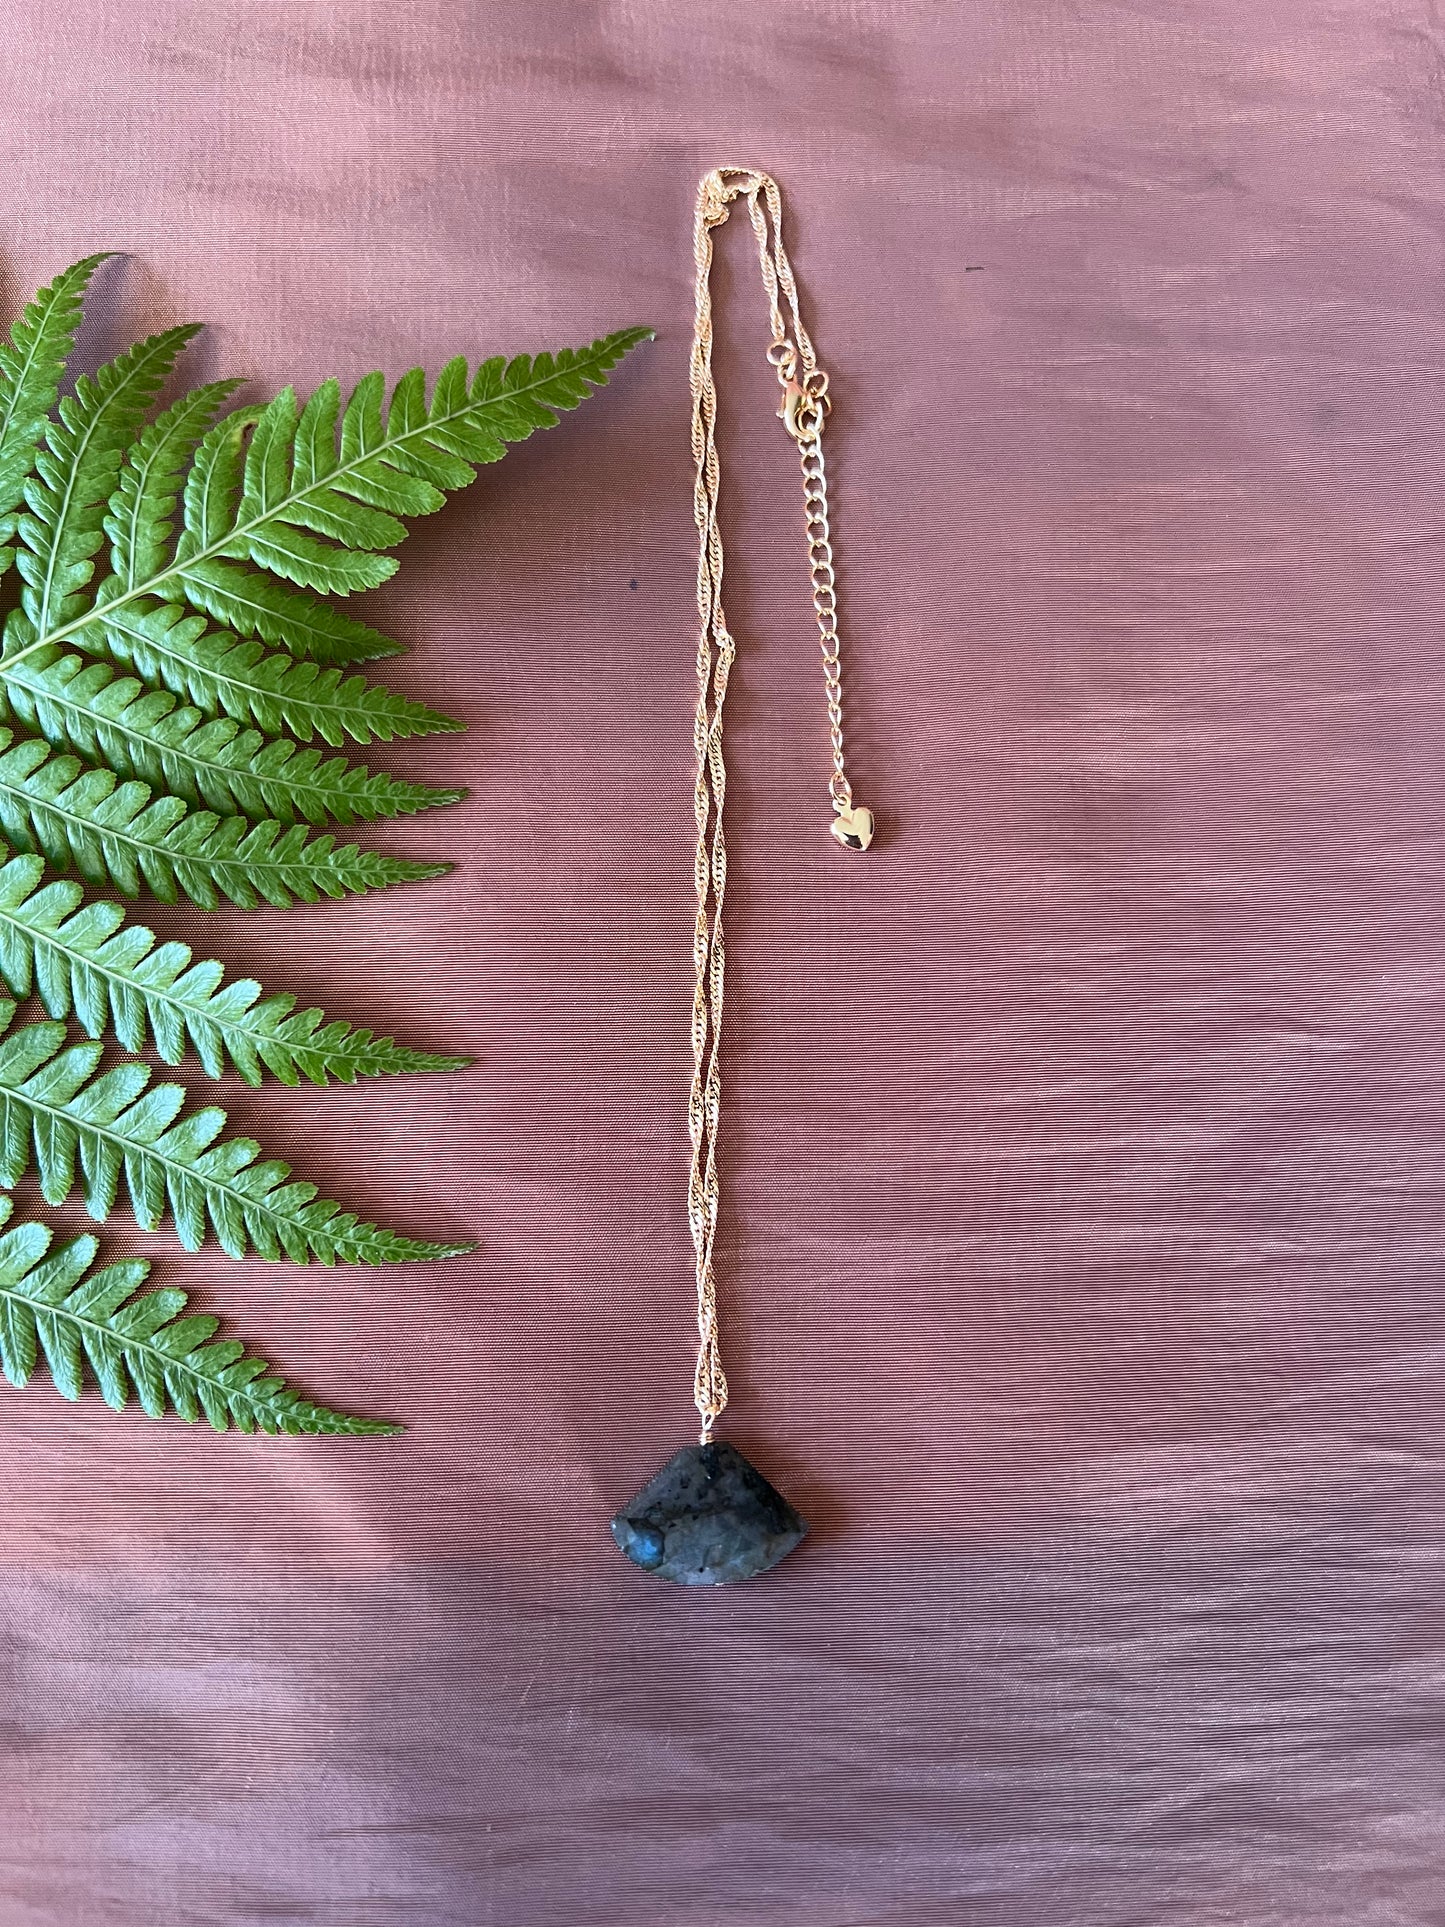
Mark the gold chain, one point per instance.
(804, 408)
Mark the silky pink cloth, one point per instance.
(1084, 1243)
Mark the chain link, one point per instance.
(804, 409)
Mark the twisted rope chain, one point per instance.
(804, 407)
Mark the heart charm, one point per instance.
(853, 827)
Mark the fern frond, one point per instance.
(55, 1112)
(31, 365)
(119, 833)
(87, 959)
(76, 470)
(178, 682)
(54, 1308)
(210, 762)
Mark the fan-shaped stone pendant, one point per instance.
(708, 1518)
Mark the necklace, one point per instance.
(709, 1517)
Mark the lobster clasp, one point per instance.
(802, 413)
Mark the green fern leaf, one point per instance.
(31, 365)
(223, 676)
(211, 763)
(54, 1307)
(214, 484)
(56, 1113)
(87, 959)
(252, 604)
(119, 833)
(138, 520)
(75, 472)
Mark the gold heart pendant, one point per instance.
(853, 827)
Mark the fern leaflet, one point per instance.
(210, 762)
(54, 1308)
(87, 959)
(55, 1112)
(31, 365)
(224, 676)
(118, 833)
(75, 471)
(138, 520)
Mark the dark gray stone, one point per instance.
(707, 1519)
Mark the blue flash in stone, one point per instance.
(708, 1518)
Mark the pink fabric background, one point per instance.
(1085, 1246)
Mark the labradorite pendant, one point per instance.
(708, 1518)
